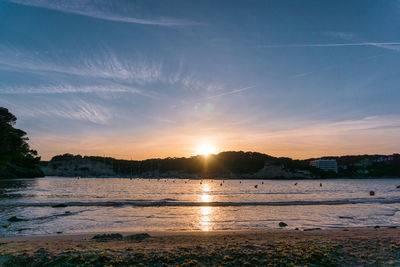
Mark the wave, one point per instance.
(174, 203)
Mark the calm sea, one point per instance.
(117, 204)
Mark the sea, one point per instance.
(58, 205)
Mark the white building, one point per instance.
(325, 164)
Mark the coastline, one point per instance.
(330, 247)
(208, 178)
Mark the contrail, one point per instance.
(215, 96)
(231, 92)
(334, 45)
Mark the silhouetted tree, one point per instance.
(16, 157)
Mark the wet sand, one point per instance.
(280, 247)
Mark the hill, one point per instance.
(228, 164)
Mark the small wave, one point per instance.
(174, 203)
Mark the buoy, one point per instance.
(255, 186)
(371, 193)
(295, 183)
(282, 224)
(398, 186)
(262, 182)
(320, 184)
(220, 184)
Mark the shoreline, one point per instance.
(331, 247)
(200, 179)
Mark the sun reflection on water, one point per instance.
(206, 212)
(205, 218)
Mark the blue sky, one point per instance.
(140, 79)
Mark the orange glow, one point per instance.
(205, 150)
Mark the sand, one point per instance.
(280, 247)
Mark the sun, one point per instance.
(205, 150)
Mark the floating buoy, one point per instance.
(320, 184)
(220, 184)
(262, 182)
(282, 224)
(398, 186)
(255, 186)
(295, 183)
(372, 193)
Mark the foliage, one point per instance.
(230, 162)
(16, 157)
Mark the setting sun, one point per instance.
(205, 150)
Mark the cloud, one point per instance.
(124, 74)
(105, 65)
(90, 9)
(67, 89)
(74, 110)
(345, 127)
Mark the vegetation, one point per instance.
(225, 164)
(16, 158)
(230, 164)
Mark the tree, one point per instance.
(16, 157)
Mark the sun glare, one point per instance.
(205, 150)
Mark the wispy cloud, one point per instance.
(78, 109)
(136, 72)
(105, 65)
(67, 89)
(345, 127)
(93, 10)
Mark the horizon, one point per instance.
(147, 79)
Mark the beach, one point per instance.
(370, 246)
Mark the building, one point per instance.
(325, 164)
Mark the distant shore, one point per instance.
(333, 247)
(216, 178)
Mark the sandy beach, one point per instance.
(334, 247)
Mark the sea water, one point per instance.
(54, 205)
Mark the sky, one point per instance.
(145, 79)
